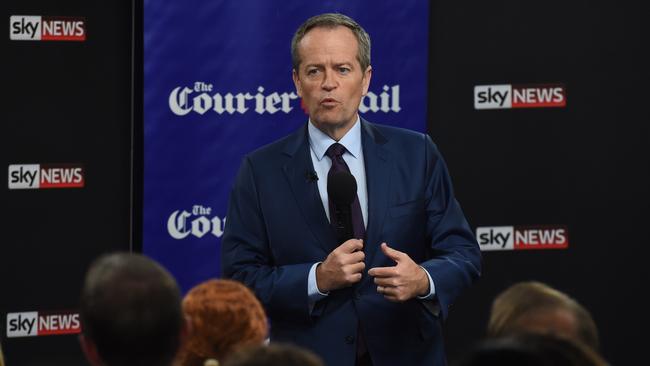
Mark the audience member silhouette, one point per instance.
(224, 316)
(276, 354)
(536, 307)
(531, 350)
(130, 312)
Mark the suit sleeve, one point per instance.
(246, 254)
(456, 257)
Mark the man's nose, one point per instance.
(329, 81)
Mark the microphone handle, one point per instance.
(344, 230)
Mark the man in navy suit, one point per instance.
(380, 297)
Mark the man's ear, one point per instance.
(366, 79)
(90, 350)
(296, 82)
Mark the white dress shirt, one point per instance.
(319, 142)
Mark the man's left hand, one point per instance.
(403, 281)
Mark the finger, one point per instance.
(352, 258)
(391, 253)
(382, 272)
(383, 290)
(358, 256)
(391, 293)
(387, 291)
(385, 281)
(353, 278)
(351, 245)
(355, 268)
(392, 298)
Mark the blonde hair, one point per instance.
(524, 298)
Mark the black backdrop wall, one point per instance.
(585, 166)
(64, 102)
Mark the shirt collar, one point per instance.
(320, 142)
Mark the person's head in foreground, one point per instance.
(536, 307)
(224, 316)
(531, 350)
(275, 354)
(130, 312)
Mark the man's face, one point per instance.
(329, 79)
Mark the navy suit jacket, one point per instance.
(276, 229)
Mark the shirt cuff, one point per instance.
(432, 287)
(312, 288)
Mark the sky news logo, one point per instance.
(34, 324)
(46, 28)
(43, 176)
(519, 96)
(522, 237)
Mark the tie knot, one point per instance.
(335, 150)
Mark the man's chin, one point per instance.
(328, 120)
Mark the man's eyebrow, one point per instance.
(314, 65)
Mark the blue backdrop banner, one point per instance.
(217, 84)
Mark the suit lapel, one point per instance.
(305, 191)
(377, 161)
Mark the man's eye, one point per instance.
(312, 71)
(344, 70)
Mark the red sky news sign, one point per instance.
(46, 28)
(41, 176)
(519, 96)
(522, 237)
(34, 323)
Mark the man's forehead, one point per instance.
(327, 27)
(327, 31)
(309, 48)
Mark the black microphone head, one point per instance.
(342, 188)
(311, 176)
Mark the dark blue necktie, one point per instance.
(335, 153)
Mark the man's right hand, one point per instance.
(342, 267)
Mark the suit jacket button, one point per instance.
(349, 339)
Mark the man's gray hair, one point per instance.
(332, 20)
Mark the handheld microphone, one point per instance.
(342, 189)
(311, 176)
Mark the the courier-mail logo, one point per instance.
(508, 96)
(46, 28)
